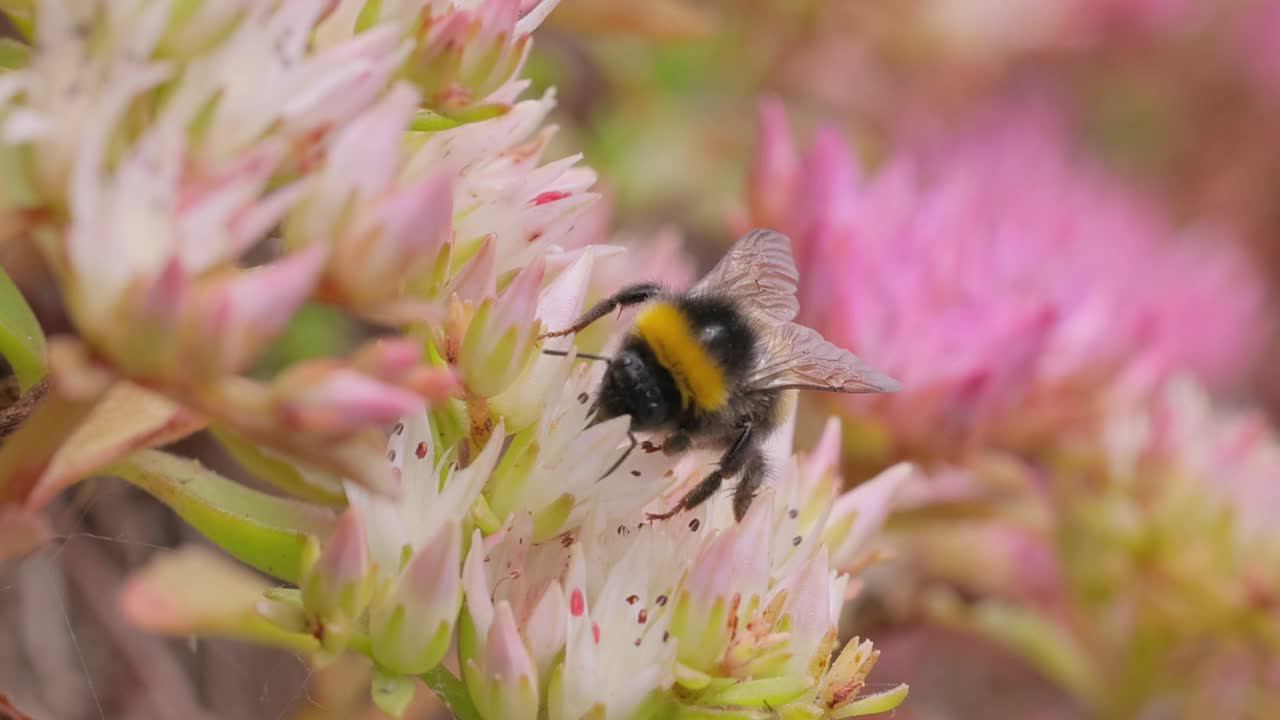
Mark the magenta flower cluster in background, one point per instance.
(1011, 284)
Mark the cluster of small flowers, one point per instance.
(193, 172)
(1012, 288)
(1053, 333)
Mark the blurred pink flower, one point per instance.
(1091, 20)
(1009, 285)
(1256, 30)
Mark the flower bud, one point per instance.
(411, 627)
(338, 584)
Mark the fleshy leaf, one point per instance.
(127, 419)
(21, 338)
(309, 484)
(267, 532)
(194, 591)
(27, 453)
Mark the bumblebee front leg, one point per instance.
(626, 297)
(743, 455)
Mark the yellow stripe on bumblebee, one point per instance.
(698, 377)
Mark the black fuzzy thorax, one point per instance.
(636, 384)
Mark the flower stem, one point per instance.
(452, 692)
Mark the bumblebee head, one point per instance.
(634, 384)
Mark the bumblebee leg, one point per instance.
(739, 455)
(581, 355)
(753, 475)
(627, 296)
(630, 436)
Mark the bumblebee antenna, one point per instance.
(588, 356)
(630, 436)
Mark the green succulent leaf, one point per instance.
(21, 339)
(264, 531)
(196, 591)
(309, 484)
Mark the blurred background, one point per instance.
(1053, 220)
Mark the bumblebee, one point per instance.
(709, 366)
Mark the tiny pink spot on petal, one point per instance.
(577, 605)
(549, 196)
(595, 633)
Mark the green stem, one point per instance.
(452, 692)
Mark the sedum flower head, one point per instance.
(195, 172)
(1010, 286)
(194, 175)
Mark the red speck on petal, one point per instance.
(631, 599)
(577, 605)
(595, 633)
(533, 237)
(644, 616)
(549, 196)
(421, 450)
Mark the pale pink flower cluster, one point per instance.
(155, 152)
(194, 172)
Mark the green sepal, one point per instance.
(871, 704)
(548, 521)
(368, 15)
(431, 121)
(764, 692)
(390, 692)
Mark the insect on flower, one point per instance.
(708, 366)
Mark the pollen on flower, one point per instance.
(549, 196)
(643, 617)
(421, 450)
(632, 599)
(577, 605)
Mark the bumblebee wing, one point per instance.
(759, 272)
(797, 357)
